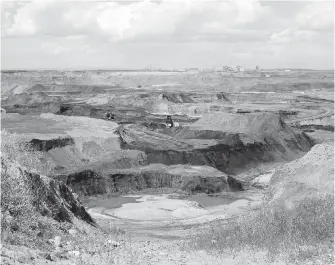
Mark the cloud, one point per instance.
(167, 33)
(314, 22)
(317, 16)
(142, 20)
(54, 49)
(77, 43)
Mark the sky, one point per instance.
(169, 34)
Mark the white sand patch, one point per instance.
(262, 181)
(168, 210)
(151, 207)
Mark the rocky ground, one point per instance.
(135, 191)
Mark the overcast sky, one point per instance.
(167, 34)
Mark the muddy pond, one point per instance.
(166, 215)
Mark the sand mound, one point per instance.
(310, 175)
(37, 88)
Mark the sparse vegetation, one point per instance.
(301, 233)
(19, 218)
(17, 211)
(15, 148)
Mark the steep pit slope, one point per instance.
(49, 197)
(184, 177)
(225, 141)
(311, 175)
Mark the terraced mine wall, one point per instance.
(192, 179)
(90, 183)
(221, 157)
(225, 158)
(229, 145)
(228, 152)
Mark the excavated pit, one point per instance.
(228, 142)
(120, 158)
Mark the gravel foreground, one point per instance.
(142, 252)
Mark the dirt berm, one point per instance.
(311, 175)
(184, 177)
(225, 141)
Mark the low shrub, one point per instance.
(15, 148)
(17, 197)
(275, 228)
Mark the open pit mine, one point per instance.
(164, 153)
